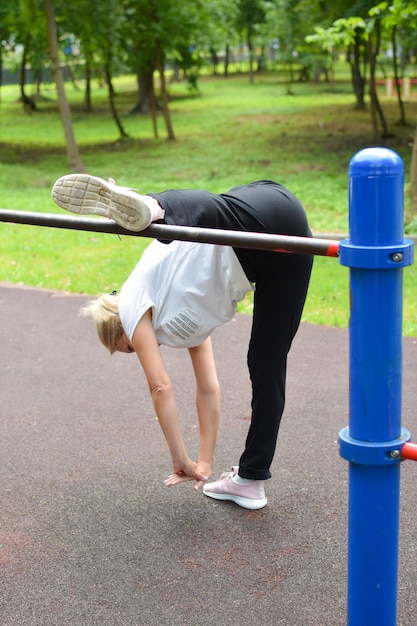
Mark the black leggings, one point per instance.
(281, 287)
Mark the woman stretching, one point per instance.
(179, 293)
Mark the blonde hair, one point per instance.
(105, 312)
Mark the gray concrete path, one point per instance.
(89, 534)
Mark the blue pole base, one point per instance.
(373, 527)
(373, 539)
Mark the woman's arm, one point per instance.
(146, 347)
(208, 408)
(207, 402)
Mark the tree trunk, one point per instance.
(145, 91)
(250, 50)
(28, 103)
(123, 133)
(74, 158)
(413, 176)
(164, 93)
(396, 76)
(357, 78)
(152, 100)
(227, 60)
(376, 108)
(147, 101)
(88, 107)
(373, 95)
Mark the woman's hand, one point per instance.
(200, 472)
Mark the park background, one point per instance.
(235, 92)
(161, 94)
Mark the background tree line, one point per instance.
(303, 38)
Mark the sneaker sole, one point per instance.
(86, 195)
(246, 503)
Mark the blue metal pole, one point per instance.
(376, 253)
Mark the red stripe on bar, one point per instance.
(409, 451)
(333, 249)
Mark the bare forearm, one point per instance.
(167, 414)
(207, 400)
(208, 409)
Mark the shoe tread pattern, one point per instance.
(84, 194)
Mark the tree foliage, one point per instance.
(148, 37)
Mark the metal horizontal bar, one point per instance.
(237, 239)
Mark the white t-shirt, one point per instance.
(191, 288)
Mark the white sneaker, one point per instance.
(249, 496)
(81, 193)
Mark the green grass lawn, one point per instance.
(231, 133)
